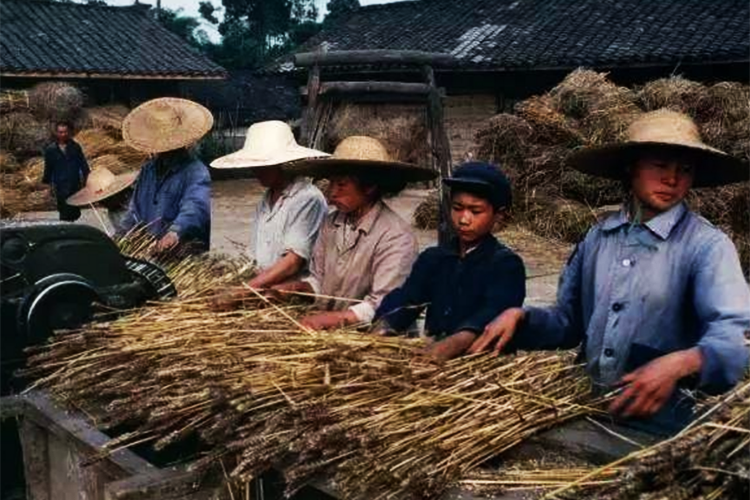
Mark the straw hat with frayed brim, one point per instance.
(101, 184)
(663, 132)
(362, 154)
(267, 144)
(166, 124)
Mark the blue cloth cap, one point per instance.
(483, 179)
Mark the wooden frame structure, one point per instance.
(319, 95)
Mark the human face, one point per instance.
(472, 216)
(660, 183)
(348, 196)
(270, 177)
(62, 134)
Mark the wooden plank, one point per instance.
(78, 431)
(369, 87)
(308, 116)
(344, 57)
(441, 154)
(169, 484)
(35, 460)
(64, 471)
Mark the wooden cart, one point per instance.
(58, 447)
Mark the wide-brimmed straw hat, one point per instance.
(267, 144)
(101, 184)
(663, 131)
(363, 154)
(166, 124)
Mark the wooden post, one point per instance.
(313, 88)
(441, 153)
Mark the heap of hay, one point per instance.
(26, 128)
(53, 101)
(587, 109)
(21, 133)
(402, 133)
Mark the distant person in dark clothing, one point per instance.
(65, 169)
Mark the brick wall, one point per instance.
(464, 115)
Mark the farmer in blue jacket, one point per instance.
(65, 169)
(654, 296)
(172, 197)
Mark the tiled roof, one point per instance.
(51, 38)
(518, 34)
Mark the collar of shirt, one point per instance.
(366, 223)
(289, 191)
(661, 225)
(484, 245)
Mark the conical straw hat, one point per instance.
(663, 131)
(101, 184)
(267, 144)
(166, 124)
(364, 154)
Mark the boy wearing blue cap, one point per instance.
(466, 284)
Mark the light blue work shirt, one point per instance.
(633, 292)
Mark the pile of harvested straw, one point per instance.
(53, 101)
(402, 131)
(260, 391)
(587, 109)
(709, 459)
(107, 118)
(21, 133)
(14, 101)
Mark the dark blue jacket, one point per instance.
(65, 171)
(180, 202)
(459, 293)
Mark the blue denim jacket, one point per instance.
(179, 202)
(631, 293)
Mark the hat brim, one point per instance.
(330, 167)
(712, 167)
(141, 134)
(86, 196)
(245, 159)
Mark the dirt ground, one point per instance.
(233, 204)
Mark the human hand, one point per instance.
(650, 386)
(168, 241)
(324, 321)
(498, 332)
(227, 300)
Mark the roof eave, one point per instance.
(110, 76)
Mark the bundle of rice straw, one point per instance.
(675, 92)
(8, 162)
(95, 142)
(33, 171)
(550, 126)
(22, 133)
(427, 213)
(108, 118)
(111, 163)
(133, 158)
(402, 131)
(52, 101)
(14, 100)
(709, 459)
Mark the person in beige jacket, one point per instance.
(364, 249)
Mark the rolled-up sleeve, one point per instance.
(560, 326)
(302, 230)
(394, 256)
(722, 304)
(194, 217)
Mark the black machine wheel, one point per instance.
(58, 301)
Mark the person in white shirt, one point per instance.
(291, 212)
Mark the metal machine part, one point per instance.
(55, 275)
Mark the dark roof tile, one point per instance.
(60, 38)
(551, 33)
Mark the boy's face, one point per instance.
(660, 182)
(472, 216)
